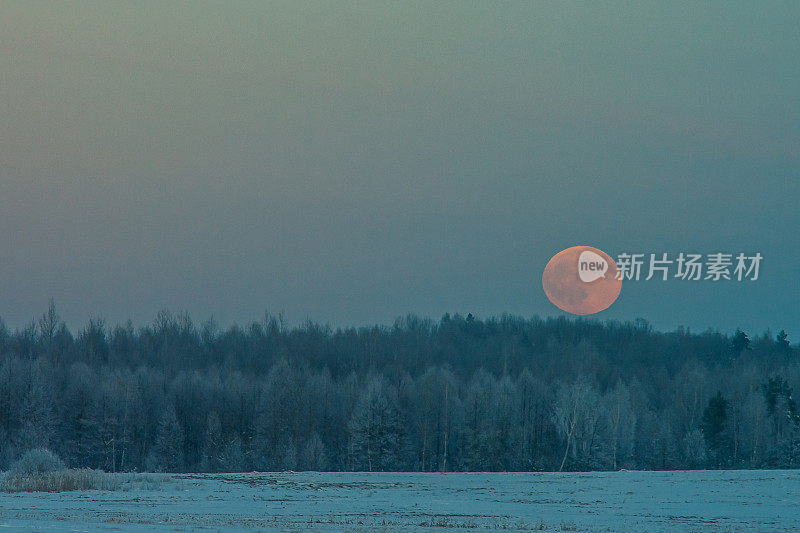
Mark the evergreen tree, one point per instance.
(463, 394)
(168, 449)
(373, 428)
(212, 448)
(740, 343)
(782, 340)
(233, 457)
(714, 426)
(314, 456)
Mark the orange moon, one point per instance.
(563, 285)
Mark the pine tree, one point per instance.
(740, 343)
(168, 449)
(232, 457)
(373, 428)
(314, 456)
(212, 447)
(782, 340)
(714, 426)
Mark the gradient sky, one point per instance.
(353, 162)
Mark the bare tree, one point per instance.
(576, 413)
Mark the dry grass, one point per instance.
(40, 470)
(60, 481)
(70, 479)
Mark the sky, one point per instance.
(352, 162)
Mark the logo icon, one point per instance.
(591, 266)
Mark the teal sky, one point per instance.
(353, 162)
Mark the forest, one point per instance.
(460, 394)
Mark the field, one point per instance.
(608, 501)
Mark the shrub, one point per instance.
(36, 461)
(60, 481)
(142, 481)
(40, 470)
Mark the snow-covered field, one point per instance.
(616, 501)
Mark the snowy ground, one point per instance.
(615, 501)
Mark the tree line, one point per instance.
(459, 394)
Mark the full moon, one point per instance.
(564, 288)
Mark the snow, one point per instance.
(630, 501)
